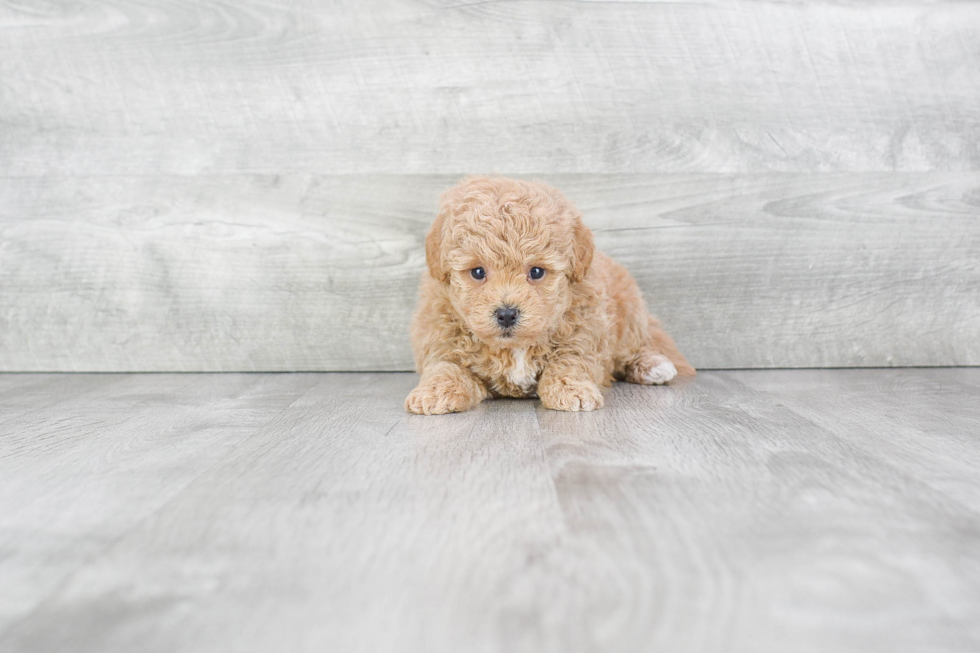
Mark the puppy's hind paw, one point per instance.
(653, 369)
(571, 396)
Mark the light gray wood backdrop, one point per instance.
(245, 185)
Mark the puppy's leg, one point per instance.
(658, 359)
(566, 386)
(445, 388)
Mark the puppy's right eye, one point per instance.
(478, 273)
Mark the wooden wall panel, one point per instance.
(169, 86)
(244, 185)
(319, 273)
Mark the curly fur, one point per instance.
(579, 327)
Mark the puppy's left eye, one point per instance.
(536, 273)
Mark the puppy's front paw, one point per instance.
(571, 395)
(441, 395)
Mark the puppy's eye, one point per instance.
(478, 273)
(536, 273)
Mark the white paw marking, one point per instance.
(521, 374)
(662, 373)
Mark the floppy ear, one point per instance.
(582, 249)
(433, 249)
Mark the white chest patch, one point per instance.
(521, 373)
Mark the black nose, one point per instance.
(506, 316)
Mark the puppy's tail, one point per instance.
(664, 344)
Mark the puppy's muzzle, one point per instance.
(507, 316)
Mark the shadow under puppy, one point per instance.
(517, 302)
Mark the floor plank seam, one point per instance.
(846, 444)
(116, 541)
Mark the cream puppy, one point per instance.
(517, 302)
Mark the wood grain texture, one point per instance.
(280, 273)
(769, 511)
(85, 459)
(237, 186)
(870, 411)
(436, 86)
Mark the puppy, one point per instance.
(517, 302)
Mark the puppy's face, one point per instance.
(509, 252)
(507, 298)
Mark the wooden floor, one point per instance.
(832, 510)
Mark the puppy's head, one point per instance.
(509, 252)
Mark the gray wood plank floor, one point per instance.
(803, 510)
